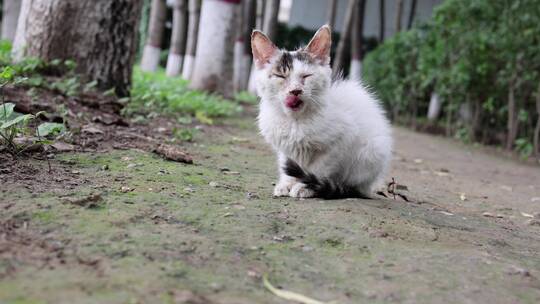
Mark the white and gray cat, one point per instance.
(331, 137)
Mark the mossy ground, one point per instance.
(213, 228)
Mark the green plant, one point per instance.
(479, 55)
(246, 97)
(13, 125)
(155, 92)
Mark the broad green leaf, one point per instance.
(19, 119)
(50, 128)
(6, 110)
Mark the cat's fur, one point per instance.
(337, 142)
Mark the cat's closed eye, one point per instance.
(306, 76)
(279, 76)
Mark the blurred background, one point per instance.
(466, 69)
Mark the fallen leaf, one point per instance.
(126, 189)
(63, 147)
(289, 295)
(462, 197)
(527, 215)
(91, 130)
(446, 213)
(173, 153)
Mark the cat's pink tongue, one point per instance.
(293, 102)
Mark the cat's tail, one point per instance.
(323, 187)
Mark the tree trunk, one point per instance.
(214, 61)
(344, 39)
(10, 16)
(271, 18)
(331, 13)
(193, 33)
(382, 21)
(435, 107)
(537, 129)
(357, 41)
(152, 49)
(243, 68)
(513, 122)
(399, 14)
(239, 49)
(259, 21)
(100, 36)
(178, 38)
(412, 13)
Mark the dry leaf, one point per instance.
(173, 153)
(289, 295)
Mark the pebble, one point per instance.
(213, 184)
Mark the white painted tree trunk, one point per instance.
(213, 70)
(435, 106)
(17, 52)
(152, 49)
(178, 38)
(10, 17)
(242, 55)
(355, 72)
(193, 32)
(270, 18)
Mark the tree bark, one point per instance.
(193, 33)
(271, 18)
(331, 13)
(357, 41)
(382, 21)
(412, 13)
(100, 36)
(152, 49)
(178, 38)
(344, 39)
(10, 16)
(399, 15)
(214, 61)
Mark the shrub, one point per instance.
(480, 57)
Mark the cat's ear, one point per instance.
(320, 44)
(263, 49)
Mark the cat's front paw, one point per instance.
(282, 189)
(300, 190)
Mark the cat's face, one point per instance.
(293, 81)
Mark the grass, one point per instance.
(155, 92)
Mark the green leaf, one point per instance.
(6, 110)
(50, 129)
(19, 119)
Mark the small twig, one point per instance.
(391, 189)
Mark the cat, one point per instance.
(332, 137)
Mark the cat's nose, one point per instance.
(296, 92)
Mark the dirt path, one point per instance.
(124, 226)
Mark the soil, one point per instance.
(114, 222)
